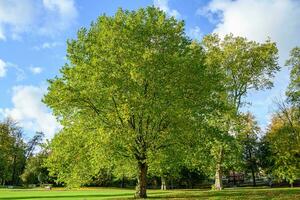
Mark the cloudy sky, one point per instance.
(33, 36)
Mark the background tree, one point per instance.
(13, 148)
(248, 139)
(293, 92)
(247, 65)
(132, 84)
(34, 168)
(283, 136)
(33, 143)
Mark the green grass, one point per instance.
(109, 193)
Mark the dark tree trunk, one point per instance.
(234, 182)
(219, 174)
(252, 168)
(253, 176)
(141, 188)
(123, 182)
(14, 171)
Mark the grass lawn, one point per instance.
(109, 193)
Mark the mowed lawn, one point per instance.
(108, 193)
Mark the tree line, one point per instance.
(139, 99)
(16, 154)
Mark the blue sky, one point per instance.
(33, 36)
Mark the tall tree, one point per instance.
(283, 136)
(34, 142)
(12, 147)
(133, 82)
(248, 65)
(248, 139)
(293, 92)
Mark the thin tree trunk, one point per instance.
(253, 176)
(141, 188)
(163, 183)
(252, 166)
(14, 170)
(234, 182)
(219, 174)
(123, 182)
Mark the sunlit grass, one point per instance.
(113, 193)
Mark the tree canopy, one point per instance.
(133, 82)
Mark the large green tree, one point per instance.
(247, 65)
(134, 81)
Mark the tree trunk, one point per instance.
(163, 183)
(123, 182)
(190, 181)
(14, 170)
(252, 167)
(219, 174)
(218, 178)
(141, 188)
(234, 182)
(253, 176)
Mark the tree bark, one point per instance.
(219, 174)
(123, 182)
(14, 171)
(141, 188)
(253, 176)
(234, 182)
(163, 183)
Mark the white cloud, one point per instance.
(16, 16)
(36, 70)
(20, 74)
(30, 112)
(3, 66)
(48, 45)
(61, 14)
(48, 17)
(195, 33)
(257, 20)
(164, 6)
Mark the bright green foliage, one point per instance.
(246, 65)
(35, 171)
(284, 139)
(77, 154)
(293, 91)
(133, 84)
